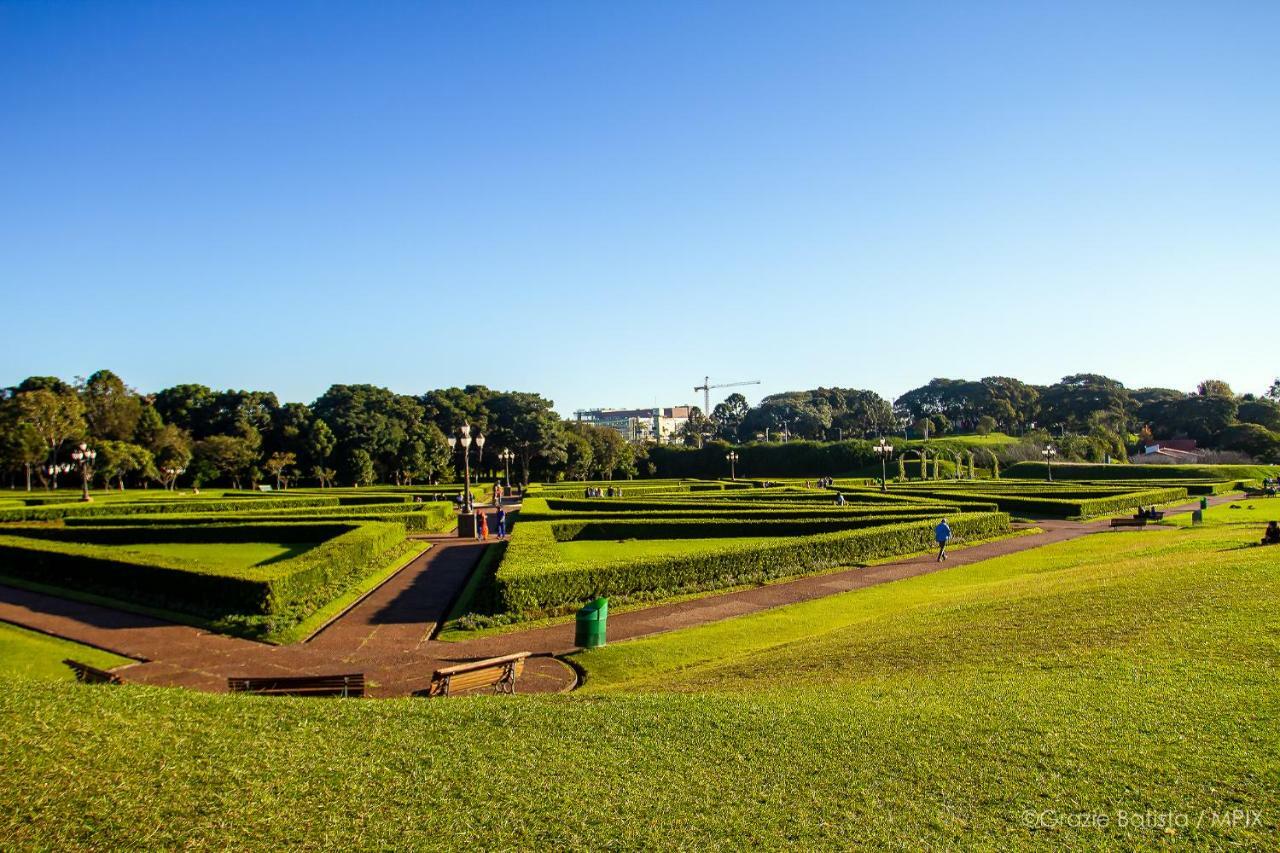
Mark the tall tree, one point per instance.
(111, 410)
(55, 416)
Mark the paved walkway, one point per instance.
(388, 634)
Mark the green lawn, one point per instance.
(224, 555)
(591, 551)
(1241, 511)
(1129, 675)
(32, 655)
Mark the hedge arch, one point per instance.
(923, 455)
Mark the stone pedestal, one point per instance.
(467, 525)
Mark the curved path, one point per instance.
(389, 633)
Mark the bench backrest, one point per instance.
(86, 674)
(348, 684)
(499, 673)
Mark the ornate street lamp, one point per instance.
(733, 459)
(506, 456)
(54, 470)
(884, 450)
(464, 440)
(84, 456)
(1048, 453)
(174, 474)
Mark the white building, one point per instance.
(652, 424)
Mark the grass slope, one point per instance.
(1122, 674)
(32, 655)
(224, 555)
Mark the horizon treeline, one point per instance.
(364, 434)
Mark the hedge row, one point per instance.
(70, 510)
(416, 518)
(722, 528)
(256, 601)
(533, 579)
(1082, 471)
(1043, 507)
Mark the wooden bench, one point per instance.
(1128, 522)
(498, 673)
(86, 674)
(346, 685)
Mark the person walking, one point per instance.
(501, 518)
(482, 522)
(942, 535)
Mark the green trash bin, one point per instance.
(1204, 503)
(592, 622)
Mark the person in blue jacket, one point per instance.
(942, 533)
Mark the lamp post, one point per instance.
(733, 460)
(174, 474)
(464, 440)
(506, 456)
(84, 456)
(56, 469)
(884, 450)
(1048, 453)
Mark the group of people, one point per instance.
(1150, 514)
(597, 492)
(499, 525)
(821, 483)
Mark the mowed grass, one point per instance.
(1128, 675)
(1241, 511)
(31, 655)
(592, 551)
(224, 555)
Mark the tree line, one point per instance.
(365, 434)
(1090, 414)
(351, 434)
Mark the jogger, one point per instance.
(942, 534)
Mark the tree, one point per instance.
(186, 407)
(110, 409)
(1264, 412)
(579, 457)
(729, 416)
(694, 430)
(360, 464)
(324, 475)
(54, 416)
(172, 451)
(226, 456)
(277, 464)
(320, 443)
(986, 425)
(1214, 388)
(149, 425)
(118, 459)
(1274, 391)
(375, 420)
(1257, 441)
(21, 446)
(1083, 399)
(528, 424)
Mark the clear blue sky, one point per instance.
(605, 201)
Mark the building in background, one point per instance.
(651, 424)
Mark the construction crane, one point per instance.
(706, 387)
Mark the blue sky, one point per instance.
(604, 202)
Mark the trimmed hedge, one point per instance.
(69, 510)
(1047, 507)
(1083, 471)
(721, 528)
(436, 516)
(532, 578)
(257, 601)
